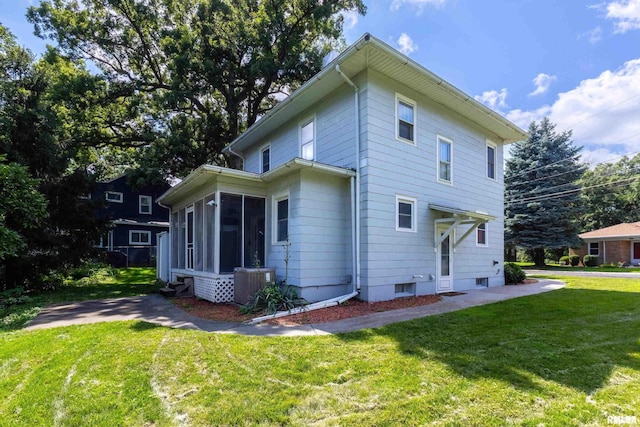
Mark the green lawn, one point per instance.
(553, 267)
(568, 357)
(127, 282)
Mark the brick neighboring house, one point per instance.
(613, 244)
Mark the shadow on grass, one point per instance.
(574, 337)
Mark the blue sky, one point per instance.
(577, 62)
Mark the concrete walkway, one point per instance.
(156, 309)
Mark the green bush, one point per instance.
(590, 261)
(574, 260)
(273, 298)
(564, 260)
(513, 273)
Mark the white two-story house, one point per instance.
(376, 178)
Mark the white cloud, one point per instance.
(602, 112)
(406, 44)
(594, 36)
(418, 5)
(595, 156)
(542, 82)
(493, 99)
(625, 13)
(350, 19)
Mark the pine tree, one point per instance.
(542, 197)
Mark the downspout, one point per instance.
(236, 154)
(356, 226)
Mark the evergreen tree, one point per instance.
(542, 197)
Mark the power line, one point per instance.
(569, 192)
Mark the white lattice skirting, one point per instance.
(214, 289)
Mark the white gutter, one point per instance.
(356, 208)
(315, 306)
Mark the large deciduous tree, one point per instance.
(542, 194)
(193, 74)
(43, 128)
(611, 194)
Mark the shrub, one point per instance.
(590, 261)
(574, 260)
(565, 260)
(12, 297)
(513, 273)
(273, 298)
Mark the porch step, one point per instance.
(167, 292)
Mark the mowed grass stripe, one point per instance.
(569, 357)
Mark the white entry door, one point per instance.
(444, 262)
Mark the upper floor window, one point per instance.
(405, 213)
(145, 205)
(307, 140)
(481, 234)
(113, 196)
(405, 119)
(445, 159)
(491, 160)
(265, 159)
(139, 237)
(281, 216)
(594, 249)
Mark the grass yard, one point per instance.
(568, 357)
(598, 269)
(127, 282)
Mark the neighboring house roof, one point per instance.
(123, 221)
(206, 174)
(620, 231)
(371, 53)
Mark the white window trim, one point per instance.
(119, 194)
(302, 124)
(140, 198)
(274, 217)
(450, 141)
(262, 150)
(589, 249)
(141, 232)
(495, 160)
(486, 235)
(411, 102)
(414, 209)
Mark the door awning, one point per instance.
(457, 218)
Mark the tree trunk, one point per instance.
(538, 257)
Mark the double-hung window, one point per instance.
(281, 218)
(405, 213)
(594, 248)
(307, 140)
(445, 159)
(265, 159)
(145, 205)
(405, 119)
(481, 234)
(139, 237)
(491, 160)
